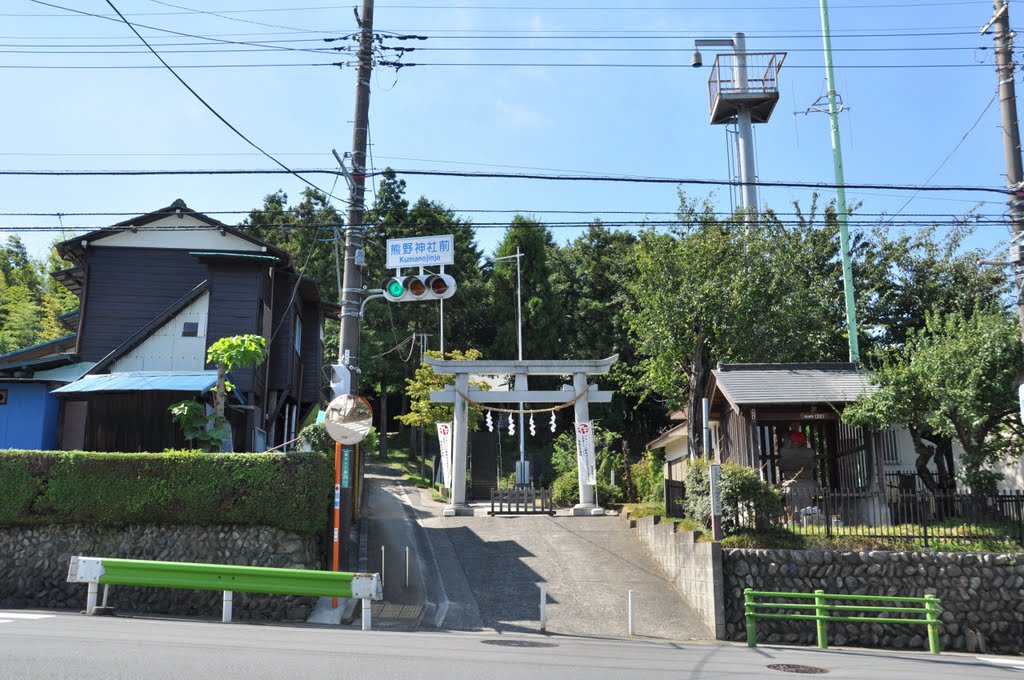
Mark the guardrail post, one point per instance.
(748, 613)
(931, 614)
(631, 609)
(820, 614)
(226, 614)
(367, 614)
(90, 600)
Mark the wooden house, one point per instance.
(156, 291)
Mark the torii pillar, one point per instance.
(580, 390)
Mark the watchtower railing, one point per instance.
(761, 69)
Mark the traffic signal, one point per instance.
(418, 287)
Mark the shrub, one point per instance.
(286, 490)
(314, 437)
(565, 487)
(565, 490)
(649, 478)
(747, 502)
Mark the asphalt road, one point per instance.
(74, 646)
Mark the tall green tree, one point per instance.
(542, 316)
(589, 278)
(387, 355)
(956, 377)
(904, 277)
(711, 290)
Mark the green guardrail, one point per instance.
(822, 607)
(108, 571)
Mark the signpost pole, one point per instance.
(337, 513)
(716, 501)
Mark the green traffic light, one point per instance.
(395, 288)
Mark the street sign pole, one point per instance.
(337, 513)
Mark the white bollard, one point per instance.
(90, 600)
(631, 610)
(228, 599)
(543, 607)
(367, 614)
(406, 566)
(382, 566)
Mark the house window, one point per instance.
(298, 334)
(191, 329)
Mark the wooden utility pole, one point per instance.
(1011, 142)
(352, 285)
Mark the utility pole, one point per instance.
(841, 210)
(352, 290)
(1011, 142)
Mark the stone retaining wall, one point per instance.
(35, 565)
(982, 595)
(695, 568)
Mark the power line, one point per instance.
(223, 15)
(507, 211)
(953, 151)
(612, 224)
(210, 108)
(39, 67)
(532, 8)
(490, 175)
(667, 180)
(130, 49)
(134, 26)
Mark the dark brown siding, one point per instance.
(113, 422)
(129, 287)
(234, 309)
(283, 362)
(312, 353)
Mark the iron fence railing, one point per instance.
(521, 501)
(912, 515)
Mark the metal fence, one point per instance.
(911, 515)
(521, 501)
(675, 494)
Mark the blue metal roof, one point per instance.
(133, 381)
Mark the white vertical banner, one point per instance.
(444, 438)
(585, 455)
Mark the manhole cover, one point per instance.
(797, 668)
(518, 643)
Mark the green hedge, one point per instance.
(291, 491)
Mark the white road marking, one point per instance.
(1010, 662)
(10, 617)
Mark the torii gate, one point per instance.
(581, 394)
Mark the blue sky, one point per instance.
(629, 104)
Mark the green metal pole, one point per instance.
(820, 613)
(837, 158)
(931, 614)
(748, 610)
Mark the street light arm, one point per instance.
(713, 42)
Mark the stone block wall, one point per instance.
(982, 595)
(35, 560)
(695, 568)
